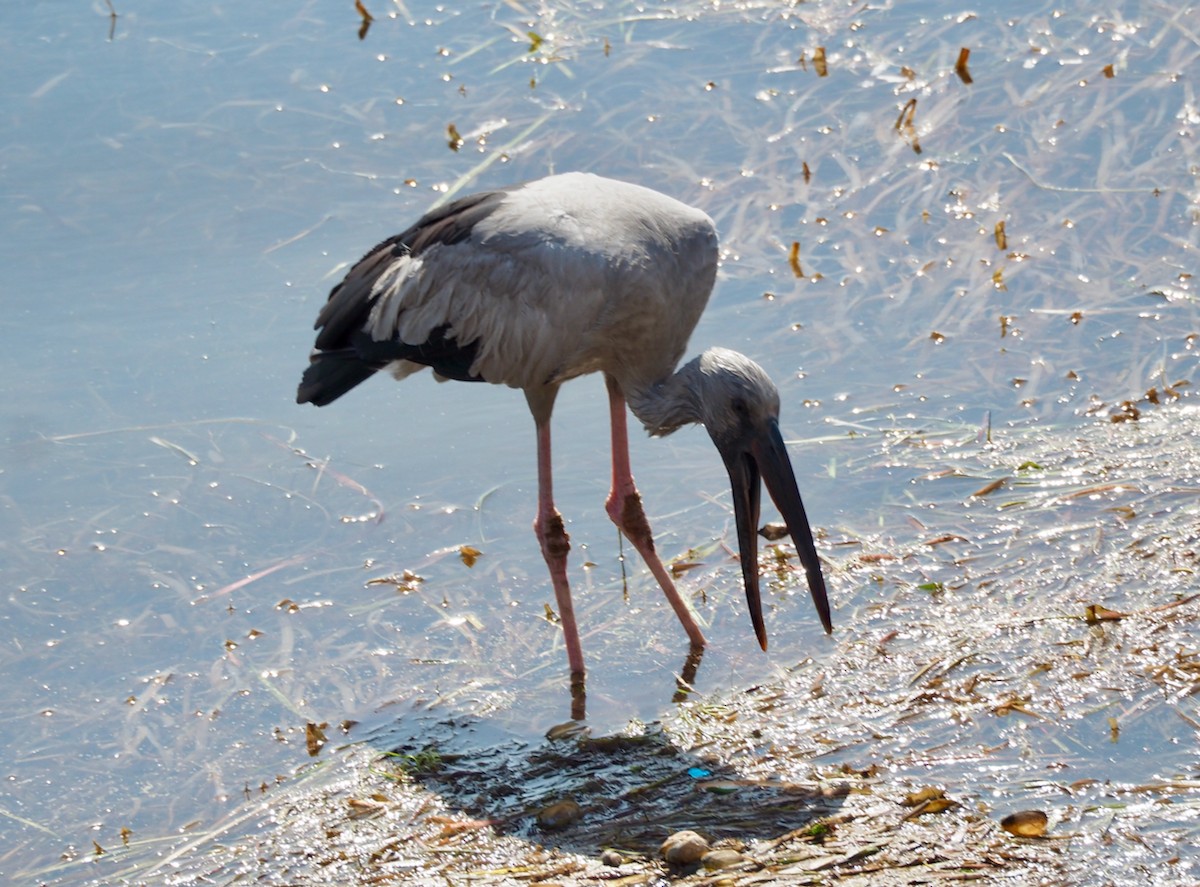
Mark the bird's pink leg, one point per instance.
(624, 506)
(555, 544)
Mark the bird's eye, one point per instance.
(740, 407)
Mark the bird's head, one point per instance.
(739, 406)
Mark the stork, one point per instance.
(532, 285)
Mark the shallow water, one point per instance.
(183, 193)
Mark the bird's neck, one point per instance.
(670, 403)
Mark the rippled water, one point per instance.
(186, 551)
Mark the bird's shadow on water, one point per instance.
(582, 793)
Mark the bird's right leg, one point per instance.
(624, 506)
(555, 542)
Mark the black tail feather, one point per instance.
(331, 374)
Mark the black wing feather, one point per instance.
(346, 354)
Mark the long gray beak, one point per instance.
(764, 455)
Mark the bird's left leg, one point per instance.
(624, 506)
(551, 533)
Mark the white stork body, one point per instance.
(533, 285)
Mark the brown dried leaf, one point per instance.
(1097, 613)
(1025, 823)
(960, 67)
(314, 738)
(929, 793)
(794, 259)
(364, 809)
(942, 540)
(469, 555)
(819, 63)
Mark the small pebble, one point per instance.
(558, 815)
(721, 859)
(612, 858)
(684, 848)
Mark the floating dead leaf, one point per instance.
(314, 738)
(1025, 823)
(558, 815)
(998, 279)
(126, 834)
(960, 66)
(1109, 72)
(1015, 704)
(988, 489)
(452, 827)
(455, 140)
(1001, 237)
(819, 63)
(535, 41)
(1096, 613)
(928, 800)
(904, 124)
(807, 172)
(469, 555)
(1128, 412)
(678, 568)
(877, 558)
(289, 605)
(367, 18)
(405, 582)
(937, 338)
(929, 793)
(1114, 730)
(794, 259)
(363, 809)
(937, 805)
(942, 540)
